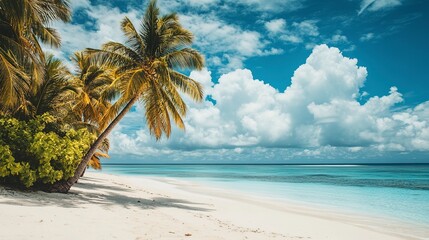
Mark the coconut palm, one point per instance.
(23, 23)
(90, 107)
(146, 66)
(92, 80)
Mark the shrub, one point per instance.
(30, 155)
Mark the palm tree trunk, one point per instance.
(83, 173)
(64, 186)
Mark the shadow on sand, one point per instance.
(95, 191)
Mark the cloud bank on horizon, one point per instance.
(324, 113)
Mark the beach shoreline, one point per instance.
(105, 206)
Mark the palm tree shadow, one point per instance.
(93, 191)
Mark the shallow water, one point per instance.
(395, 191)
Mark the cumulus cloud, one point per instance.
(320, 111)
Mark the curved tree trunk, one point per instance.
(64, 186)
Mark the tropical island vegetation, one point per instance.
(54, 121)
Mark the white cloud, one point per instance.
(276, 26)
(326, 75)
(204, 77)
(291, 38)
(366, 37)
(376, 5)
(228, 43)
(319, 112)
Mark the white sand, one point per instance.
(104, 206)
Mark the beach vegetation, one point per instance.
(33, 155)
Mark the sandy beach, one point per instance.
(103, 206)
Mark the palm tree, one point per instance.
(72, 99)
(90, 106)
(23, 23)
(146, 66)
(92, 81)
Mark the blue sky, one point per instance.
(286, 80)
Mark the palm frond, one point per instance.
(52, 10)
(149, 29)
(105, 145)
(109, 59)
(48, 35)
(112, 112)
(94, 162)
(185, 58)
(52, 94)
(14, 81)
(157, 116)
(133, 38)
(174, 38)
(187, 85)
(175, 106)
(124, 50)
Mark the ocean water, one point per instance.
(394, 191)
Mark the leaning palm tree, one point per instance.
(146, 66)
(23, 23)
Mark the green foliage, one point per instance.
(30, 155)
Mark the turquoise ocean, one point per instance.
(394, 191)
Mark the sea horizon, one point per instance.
(286, 164)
